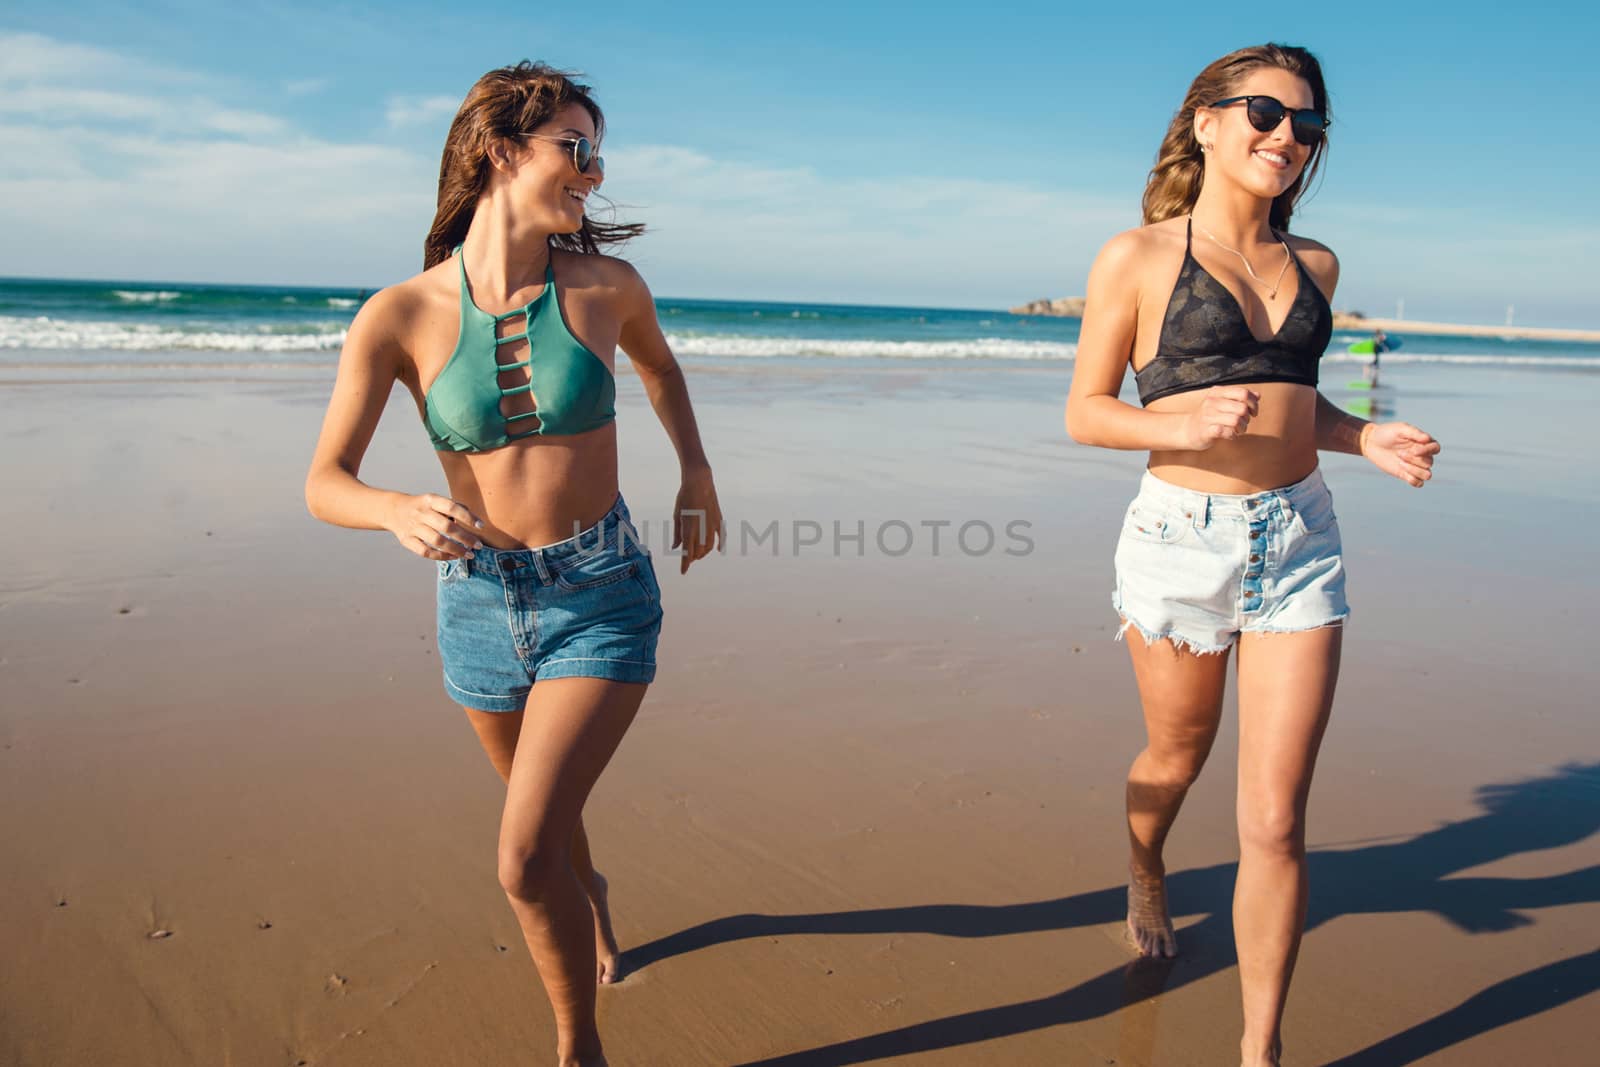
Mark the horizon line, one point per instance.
(1438, 327)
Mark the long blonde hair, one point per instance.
(505, 103)
(1175, 180)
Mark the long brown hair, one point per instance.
(1175, 180)
(504, 103)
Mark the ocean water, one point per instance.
(96, 329)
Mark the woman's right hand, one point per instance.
(1223, 415)
(434, 527)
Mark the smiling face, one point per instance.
(540, 175)
(1265, 164)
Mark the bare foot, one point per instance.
(1269, 1058)
(607, 970)
(1149, 926)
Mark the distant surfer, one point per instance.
(1380, 345)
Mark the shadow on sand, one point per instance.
(1413, 875)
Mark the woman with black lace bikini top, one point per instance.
(1232, 538)
(1206, 340)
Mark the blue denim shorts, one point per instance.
(1201, 568)
(586, 607)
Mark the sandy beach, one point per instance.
(871, 811)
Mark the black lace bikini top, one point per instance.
(1205, 339)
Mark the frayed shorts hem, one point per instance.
(1178, 640)
(1205, 648)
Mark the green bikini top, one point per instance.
(573, 390)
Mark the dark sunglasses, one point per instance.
(583, 154)
(1266, 112)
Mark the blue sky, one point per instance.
(971, 155)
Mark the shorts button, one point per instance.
(1255, 559)
(1254, 534)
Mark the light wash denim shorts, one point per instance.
(586, 607)
(1201, 568)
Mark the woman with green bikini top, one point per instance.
(463, 408)
(507, 342)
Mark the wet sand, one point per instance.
(871, 809)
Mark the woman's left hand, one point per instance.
(697, 519)
(1400, 449)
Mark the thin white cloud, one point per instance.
(406, 111)
(45, 104)
(49, 106)
(241, 123)
(32, 57)
(307, 86)
(33, 152)
(51, 83)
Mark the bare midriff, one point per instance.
(537, 491)
(1279, 448)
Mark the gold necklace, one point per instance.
(1273, 294)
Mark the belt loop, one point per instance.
(1204, 518)
(541, 567)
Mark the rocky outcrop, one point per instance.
(1068, 306)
